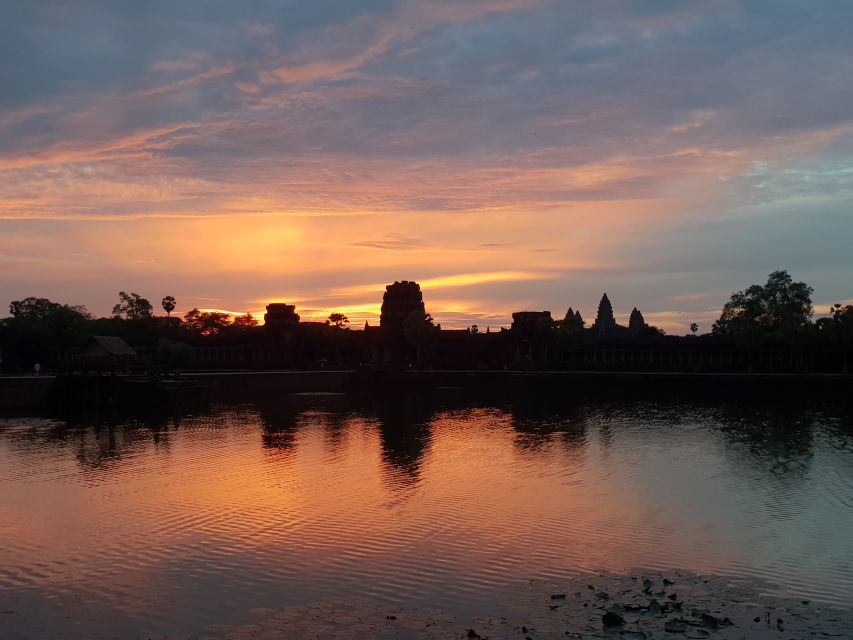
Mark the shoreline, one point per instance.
(635, 605)
(29, 392)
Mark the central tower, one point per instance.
(604, 321)
(399, 301)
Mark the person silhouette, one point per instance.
(37, 368)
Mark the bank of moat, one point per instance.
(639, 605)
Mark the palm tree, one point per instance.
(169, 305)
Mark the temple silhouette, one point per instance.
(406, 337)
(605, 323)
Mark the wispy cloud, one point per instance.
(394, 243)
(541, 151)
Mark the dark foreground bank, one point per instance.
(638, 605)
(48, 392)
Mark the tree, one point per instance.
(420, 332)
(694, 328)
(206, 323)
(838, 327)
(133, 307)
(42, 309)
(245, 321)
(338, 320)
(168, 305)
(474, 329)
(651, 331)
(40, 329)
(781, 306)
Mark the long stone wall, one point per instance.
(25, 392)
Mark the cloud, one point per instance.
(674, 147)
(394, 243)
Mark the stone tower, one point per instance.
(636, 322)
(280, 316)
(400, 300)
(604, 321)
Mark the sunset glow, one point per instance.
(506, 154)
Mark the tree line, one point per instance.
(41, 330)
(779, 311)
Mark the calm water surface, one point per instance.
(132, 528)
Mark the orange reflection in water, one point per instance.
(295, 499)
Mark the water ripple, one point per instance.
(113, 529)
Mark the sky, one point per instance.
(507, 154)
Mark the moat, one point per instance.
(138, 527)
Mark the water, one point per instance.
(134, 528)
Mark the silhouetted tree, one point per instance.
(420, 332)
(206, 323)
(41, 309)
(694, 328)
(838, 327)
(474, 329)
(133, 307)
(338, 320)
(168, 305)
(245, 321)
(780, 306)
(41, 330)
(650, 331)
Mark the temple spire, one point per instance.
(636, 321)
(605, 318)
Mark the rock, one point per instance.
(611, 619)
(697, 634)
(472, 634)
(714, 622)
(779, 624)
(603, 595)
(667, 583)
(654, 607)
(673, 596)
(558, 596)
(675, 626)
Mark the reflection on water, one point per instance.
(136, 527)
